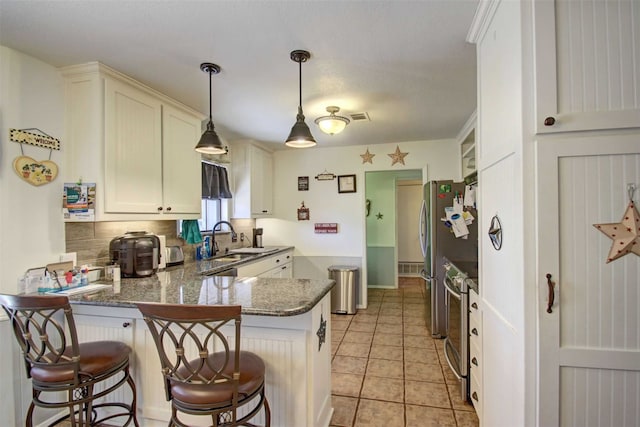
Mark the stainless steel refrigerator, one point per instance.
(437, 240)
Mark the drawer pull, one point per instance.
(159, 208)
(474, 395)
(169, 209)
(126, 324)
(474, 361)
(474, 306)
(474, 331)
(550, 121)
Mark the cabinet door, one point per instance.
(133, 152)
(589, 346)
(261, 181)
(99, 328)
(586, 64)
(181, 169)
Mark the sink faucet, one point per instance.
(214, 244)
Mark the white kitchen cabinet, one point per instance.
(467, 140)
(289, 346)
(252, 168)
(279, 265)
(475, 351)
(571, 61)
(106, 328)
(134, 143)
(584, 65)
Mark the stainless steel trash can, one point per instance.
(343, 294)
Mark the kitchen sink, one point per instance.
(230, 257)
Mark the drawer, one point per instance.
(475, 391)
(474, 303)
(475, 330)
(475, 361)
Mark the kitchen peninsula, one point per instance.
(285, 321)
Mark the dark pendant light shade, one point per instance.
(210, 142)
(300, 136)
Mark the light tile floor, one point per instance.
(386, 369)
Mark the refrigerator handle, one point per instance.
(421, 227)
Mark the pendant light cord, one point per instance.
(210, 116)
(300, 83)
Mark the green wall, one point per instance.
(381, 232)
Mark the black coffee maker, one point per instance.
(257, 237)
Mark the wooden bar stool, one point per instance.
(205, 373)
(56, 362)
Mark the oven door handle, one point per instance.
(447, 343)
(447, 280)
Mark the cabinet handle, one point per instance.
(474, 306)
(549, 121)
(126, 324)
(474, 395)
(264, 211)
(159, 208)
(474, 361)
(550, 285)
(474, 331)
(169, 209)
(277, 260)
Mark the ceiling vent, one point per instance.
(360, 116)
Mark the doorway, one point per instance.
(390, 219)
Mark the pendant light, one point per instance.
(332, 124)
(300, 136)
(210, 142)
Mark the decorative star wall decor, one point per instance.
(625, 234)
(397, 156)
(379, 215)
(367, 157)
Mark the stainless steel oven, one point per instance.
(456, 344)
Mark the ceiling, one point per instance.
(405, 64)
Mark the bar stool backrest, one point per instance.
(39, 326)
(187, 335)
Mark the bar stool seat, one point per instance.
(251, 379)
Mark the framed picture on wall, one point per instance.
(346, 183)
(303, 183)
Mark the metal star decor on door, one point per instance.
(626, 233)
(397, 156)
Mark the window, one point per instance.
(213, 210)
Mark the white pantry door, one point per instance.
(589, 345)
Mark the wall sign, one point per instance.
(326, 227)
(24, 137)
(303, 213)
(303, 183)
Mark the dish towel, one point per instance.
(191, 231)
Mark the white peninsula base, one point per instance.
(298, 381)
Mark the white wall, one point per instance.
(31, 226)
(324, 201)
(348, 246)
(31, 223)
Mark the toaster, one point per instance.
(174, 255)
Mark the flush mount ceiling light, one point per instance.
(332, 124)
(210, 142)
(300, 136)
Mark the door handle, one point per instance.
(550, 284)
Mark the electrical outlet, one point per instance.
(242, 237)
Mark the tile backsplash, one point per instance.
(90, 240)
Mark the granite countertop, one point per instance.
(187, 285)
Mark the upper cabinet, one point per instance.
(467, 141)
(134, 143)
(252, 168)
(587, 64)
